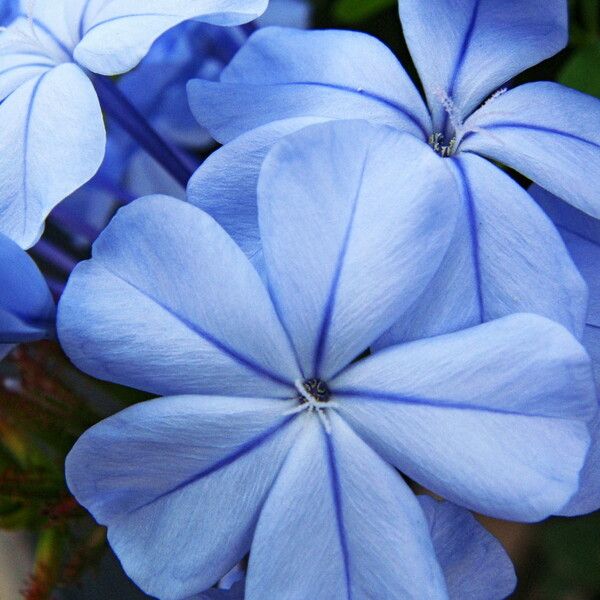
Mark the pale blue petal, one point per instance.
(287, 13)
(468, 48)
(474, 563)
(350, 238)
(493, 418)
(146, 177)
(285, 73)
(169, 304)
(26, 306)
(547, 132)
(582, 237)
(506, 257)
(340, 523)
(179, 482)
(121, 33)
(225, 184)
(52, 143)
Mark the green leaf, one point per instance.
(581, 70)
(352, 11)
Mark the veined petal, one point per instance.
(474, 563)
(169, 304)
(547, 132)
(468, 48)
(506, 256)
(350, 238)
(225, 184)
(179, 482)
(284, 73)
(26, 306)
(52, 142)
(493, 418)
(581, 234)
(121, 33)
(336, 515)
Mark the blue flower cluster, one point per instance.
(353, 291)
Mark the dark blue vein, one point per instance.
(393, 398)
(334, 480)
(83, 17)
(246, 448)
(52, 36)
(332, 295)
(460, 59)
(130, 16)
(542, 129)
(236, 356)
(26, 66)
(592, 325)
(474, 234)
(342, 88)
(28, 117)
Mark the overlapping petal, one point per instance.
(548, 132)
(26, 306)
(121, 32)
(284, 73)
(169, 304)
(349, 245)
(506, 257)
(474, 563)
(493, 418)
(340, 523)
(180, 482)
(468, 48)
(582, 237)
(46, 112)
(225, 184)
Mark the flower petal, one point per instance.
(169, 304)
(547, 132)
(506, 257)
(284, 73)
(581, 234)
(121, 33)
(52, 142)
(336, 515)
(350, 238)
(468, 48)
(179, 482)
(26, 306)
(492, 418)
(225, 184)
(474, 563)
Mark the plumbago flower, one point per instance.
(506, 256)
(265, 404)
(26, 306)
(581, 234)
(53, 134)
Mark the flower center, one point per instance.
(438, 142)
(313, 390)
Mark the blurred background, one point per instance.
(51, 549)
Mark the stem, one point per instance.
(117, 105)
(54, 255)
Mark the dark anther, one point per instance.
(317, 389)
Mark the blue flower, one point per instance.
(506, 256)
(581, 234)
(272, 438)
(26, 306)
(53, 135)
